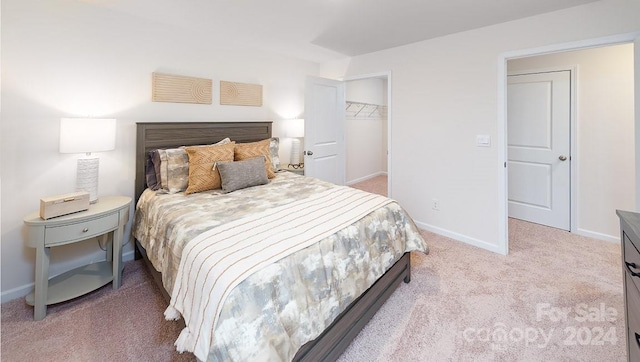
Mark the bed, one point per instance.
(346, 320)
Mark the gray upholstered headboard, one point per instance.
(151, 136)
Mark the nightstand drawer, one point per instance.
(631, 261)
(632, 240)
(79, 231)
(633, 319)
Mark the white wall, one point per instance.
(605, 133)
(367, 90)
(366, 150)
(66, 59)
(445, 92)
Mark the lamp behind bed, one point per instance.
(294, 129)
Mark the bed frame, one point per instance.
(337, 337)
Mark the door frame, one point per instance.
(633, 37)
(386, 74)
(573, 138)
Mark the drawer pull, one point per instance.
(85, 230)
(632, 265)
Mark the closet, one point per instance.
(366, 133)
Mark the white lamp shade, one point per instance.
(84, 135)
(294, 128)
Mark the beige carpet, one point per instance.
(107, 325)
(376, 185)
(459, 301)
(462, 300)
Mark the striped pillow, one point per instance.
(172, 168)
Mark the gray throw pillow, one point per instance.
(241, 174)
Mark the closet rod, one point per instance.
(363, 106)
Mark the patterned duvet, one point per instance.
(272, 313)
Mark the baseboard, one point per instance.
(596, 235)
(365, 178)
(460, 237)
(128, 256)
(23, 290)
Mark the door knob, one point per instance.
(562, 158)
(308, 153)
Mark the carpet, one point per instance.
(376, 185)
(556, 297)
(126, 324)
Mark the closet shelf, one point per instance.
(353, 109)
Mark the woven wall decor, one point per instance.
(240, 94)
(181, 89)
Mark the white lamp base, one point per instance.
(87, 178)
(295, 151)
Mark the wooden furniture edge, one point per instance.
(157, 276)
(337, 337)
(630, 239)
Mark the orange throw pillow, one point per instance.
(245, 151)
(203, 175)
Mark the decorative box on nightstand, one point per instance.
(55, 206)
(299, 170)
(108, 216)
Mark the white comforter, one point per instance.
(218, 260)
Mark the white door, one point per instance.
(324, 129)
(538, 137)
(636, 70)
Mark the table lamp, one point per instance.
(295, 130)
(86, 135)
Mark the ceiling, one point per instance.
(322, 30)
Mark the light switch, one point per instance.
(483, 140)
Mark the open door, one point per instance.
(324, 155)
(636, 72)
(538, 139)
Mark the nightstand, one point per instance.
(299, 171)
(108, 217)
